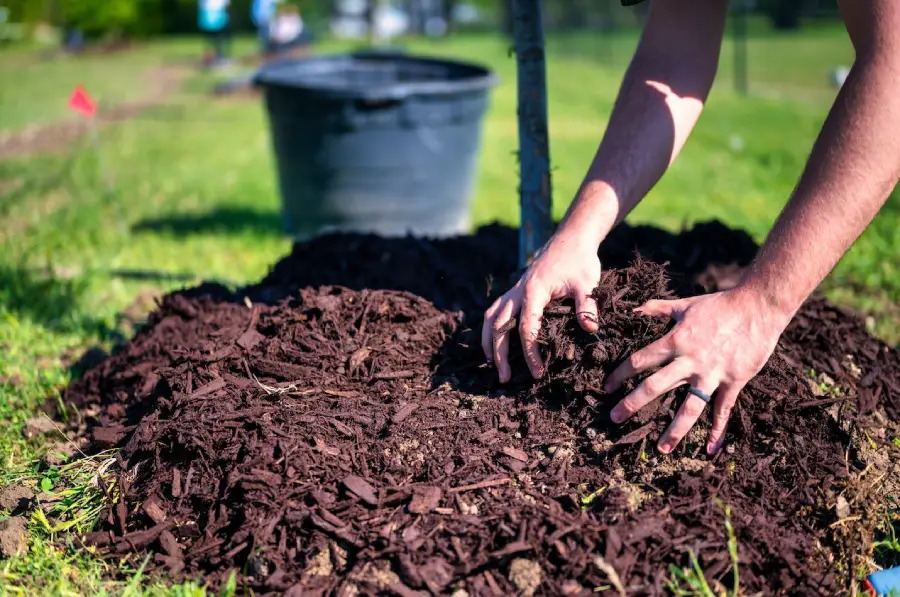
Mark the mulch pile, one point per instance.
(335, 430)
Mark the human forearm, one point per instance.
(853, 167)
(660, 100)
(721, 340)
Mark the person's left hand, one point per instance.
(719, 343)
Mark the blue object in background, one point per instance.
(883, 582)
(213, 15)
(73, 40)
(261, 12)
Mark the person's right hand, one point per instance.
(565, 267)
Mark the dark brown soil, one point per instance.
(335, 430)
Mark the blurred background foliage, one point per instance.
(104, 19)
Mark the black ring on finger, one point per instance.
(700, 394)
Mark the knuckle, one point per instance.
(531, 302)
(723, 413)
(694, 408)
(679, 339)
(721, 418)
(652, 386)
(635, 360)
(530, 287)
(628, 406)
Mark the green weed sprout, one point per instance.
(75, 494)
(691, 582)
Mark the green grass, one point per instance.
(194, 197)
(692, 581)
(887, 540)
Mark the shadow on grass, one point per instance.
(225, 220)
(152, 275)
(48, 300)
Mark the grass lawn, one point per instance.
(194, 197)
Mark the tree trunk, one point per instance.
(506, 18)
(785, 14)
(373, 7)
(448, 6)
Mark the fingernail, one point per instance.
(665, 448)
(713, 447)
(617, 415)
(504, 376)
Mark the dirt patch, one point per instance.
(58, 136)
(13, 537)
(331, 431)
(15, 498)
(38, 426)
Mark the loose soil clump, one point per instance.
(335, 430)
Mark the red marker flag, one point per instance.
(82, 102)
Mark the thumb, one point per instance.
(586, 309)
(661, 308)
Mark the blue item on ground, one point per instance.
(885, 582)
(386, 144)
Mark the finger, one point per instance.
(653, 387)
(650, 356)
(500, 338)
(487, 331)
(686, 418)
(532, 312)
(586, 309)
(661, 308)
(724, 403)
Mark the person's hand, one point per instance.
(719, 343)
(565, 267)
